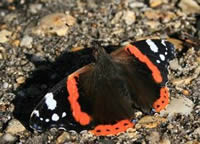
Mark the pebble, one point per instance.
(185, 92)
(10, 17)
(155, 3)
(26, 41)
(14, 127)
(193, 142)
(5, 85)
(65, 136)
(136, 5)
(35, 8)
(20, 80)
(150, 122)
(132, 133)
(16, 43)
(181, 105)
(174, 65)
(153, 24)
(117, 17)
(163, 15)
(189, 6)
(8, 138)
(197, 131)
(3, 54)
(152, 14)
(4, 36)
(165, 141)
(154, 137)
(181, 82)
(56, 23)
(129, 17)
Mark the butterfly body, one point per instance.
(105, 94)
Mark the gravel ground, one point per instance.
(36, 37)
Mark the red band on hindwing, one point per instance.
(143, 58)
(163, 101)
(104, 130)
(81, 117)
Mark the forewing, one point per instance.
(160, 52)
(53, 110)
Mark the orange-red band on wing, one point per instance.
(163, 101)
(81, 117)
(143, 58)
(104, 130)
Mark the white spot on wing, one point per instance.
(50, 102)
(157, 61)
(35, 112)
(165, 53)
(55, 117)
(152, 45)
(64, 114)
(41, 119)
(46, 120)
(162, 57)
(163, 43)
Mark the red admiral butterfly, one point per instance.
(105, 94)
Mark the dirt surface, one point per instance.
(34, 56)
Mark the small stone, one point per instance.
(7, 138)
(165, 141)
(152, 14)
(181, 82)
(3, 107)
(20, 80)
(16, 43)
(129, 17)
(3, 54)
(168, 16)
(4, 36)
(174, 65)
(34, 8)
(26, 41)
(154, 137)
(193, 142)
(180, 105)
(65, 136)
(155, 3)
(150, 121)
(117, 17)
(56, 23)
(189, 6)
(15, 127)
(132, 133)
(10, 17)
(186, 92)
(152, 24)
(136, 5)
(197, 131)
(5, 85)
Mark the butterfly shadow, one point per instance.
(45, 76)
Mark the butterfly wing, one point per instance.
(53, 110)
(108, 92)
(159, 52)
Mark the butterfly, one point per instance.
(103, 95)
